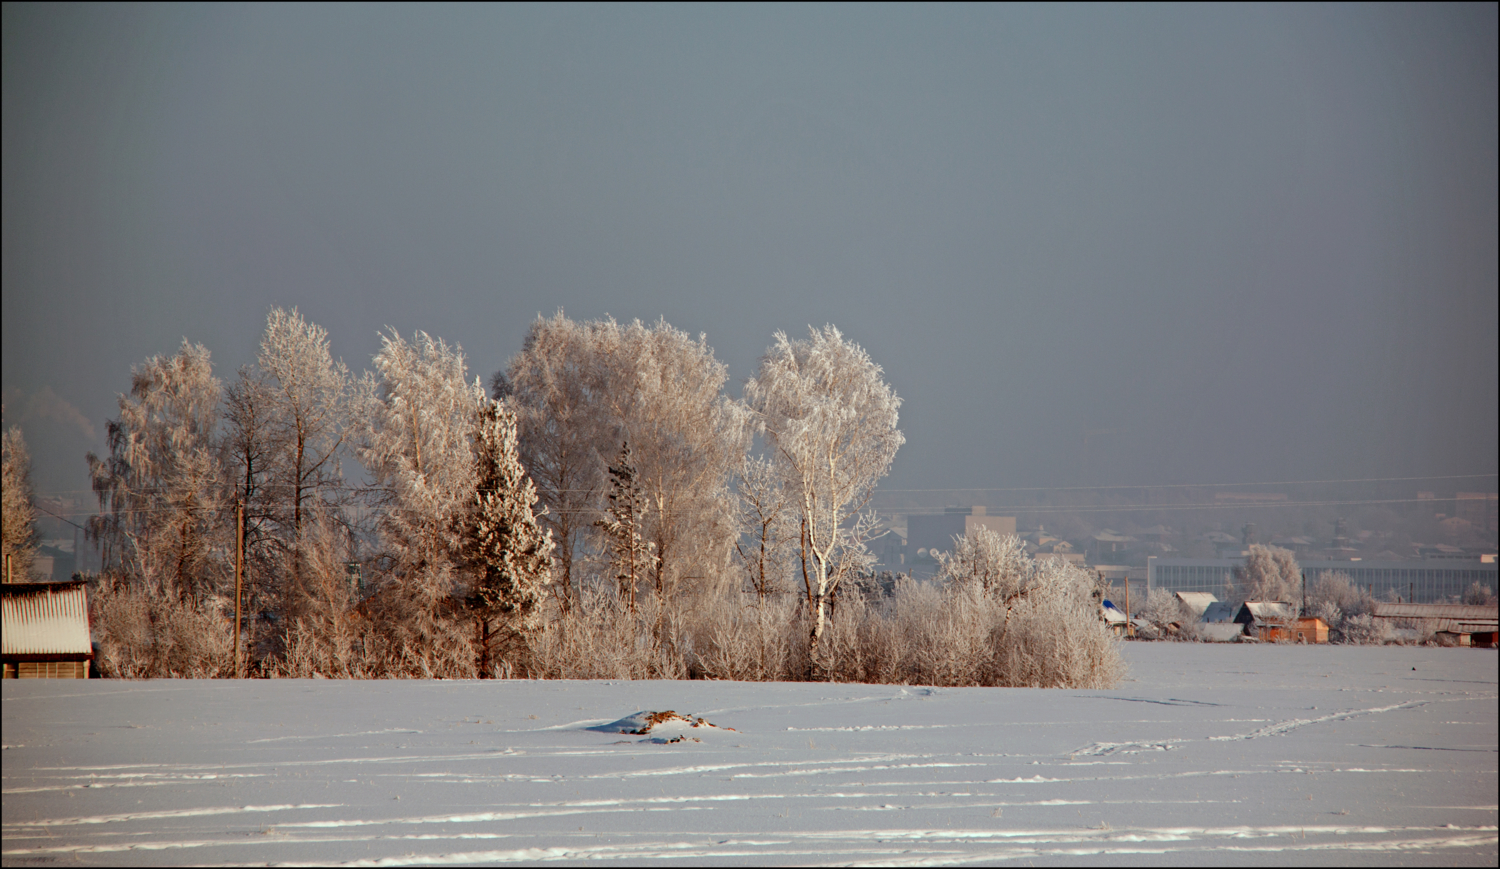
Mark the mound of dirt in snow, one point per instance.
(665, 727)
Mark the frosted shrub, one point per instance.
(144, 633)
(1056, 641)
(1047, 634)
(1160, 610)
(1364, 630)
(600, 638)
(751, 638)
(1345, 608)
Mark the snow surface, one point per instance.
(1208, 754)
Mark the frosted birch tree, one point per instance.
(688, 439)
(1270, 573)
(582, 388)
(555, 384)
(306, 394)
(417, 441)
(829, 420)
(19, 512)
(160, 488)
(770, 534)
(510, 551)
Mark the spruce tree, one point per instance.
(633, 556)
(510, 551)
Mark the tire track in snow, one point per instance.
(1288, 726)
(174, 813)
(917, 846)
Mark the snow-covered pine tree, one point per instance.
(634, 558)
(510, 551)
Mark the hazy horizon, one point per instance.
(1117, 245)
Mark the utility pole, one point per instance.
(239, 577)
(1129, 628)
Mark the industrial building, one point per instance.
(1412, 581)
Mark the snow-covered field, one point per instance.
(1208, 754)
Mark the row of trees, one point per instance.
(598, 512)
(602, 451)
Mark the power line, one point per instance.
(64, 519)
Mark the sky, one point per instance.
(1089, 245)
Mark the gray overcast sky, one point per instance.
(1089, 245)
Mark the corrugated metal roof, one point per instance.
(1446, 616)
(45, 621)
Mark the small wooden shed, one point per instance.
(1267, 620)
(45, 630)
(1308, 630)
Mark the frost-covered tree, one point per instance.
(1270, 573)
(19, 513)
(417, 444)
(995, 563)
(830, 422)
(1344, 606)
(556, 384)
(582, 388)
(769, 532)
(689, 438)
(1479, 594)
(251, 444)
(307, 396)
(160, 488)
(632, 556)
(510, 552)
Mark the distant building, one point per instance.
(1454, 618)
(1113, 617)
(1266, 619)
(1423, 581)
(1195, 603)
(1308, 630)
(46, 630)
(929, 531)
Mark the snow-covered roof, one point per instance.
(1218, 611)
(44, 618)
(1112, 614)
(1266, 611)
(1196, 601)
